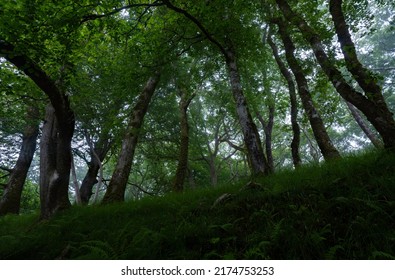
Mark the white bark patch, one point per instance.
(53, 178)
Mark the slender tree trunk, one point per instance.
(363, 125)
(191, 179)
(294, 105)
(268, 130)
(182, 166)
(372, 104)
(328, 150)
(252, 140)
(86, 190)
(11, 199)
(97, 153)
(75, 182)
(117, 186)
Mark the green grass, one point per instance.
(340, 210)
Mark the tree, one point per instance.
(55, 168)
(292, 94)
(327, 148)
(372, 104)
(96, 67)
(181, 172)
(257, 158)
(11, 199)
(119, 179)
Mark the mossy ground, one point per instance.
(344, 209)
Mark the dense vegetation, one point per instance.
(341, 210)
(157, 103)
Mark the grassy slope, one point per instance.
(341, 210)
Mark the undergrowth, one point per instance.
(344, 209)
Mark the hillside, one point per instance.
(339, 210)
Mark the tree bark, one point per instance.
(97, 153)
(372, 104)
(363, 125)
(366, 80)
(182, 166)
(11, 199)
(55, 165)
(75, 182)
(328, 150)
(55, 160)
(294, 105)
(257, 158)
(268, 130)
(117, 186)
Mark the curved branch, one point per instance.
(117, 10)
(198, 24)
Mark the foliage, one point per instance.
(100, 53)
(30, 201)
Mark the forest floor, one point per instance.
(344, 209)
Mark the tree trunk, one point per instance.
(55, 165)
(268, 129)
(75, 182)
(294, 105)
(182, 166)
(365, 128)
(328, 150)
(97, 153)
(117, 186)
(251, 136)
(191, 179)
(366, 80)
(11, 200)
(55, 159)
(213, 172)
(89, 181)
(372, 105)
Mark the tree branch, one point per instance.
(198, 24)
(117, 10)
(6, 169)
(141, 189)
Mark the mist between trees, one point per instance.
(107, 101)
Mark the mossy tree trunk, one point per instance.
(372, 104)
(324, 142)
(11, 199)
(365, 78)
(182, 166)
(294, 105)
(117, 186)
(257, 158)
